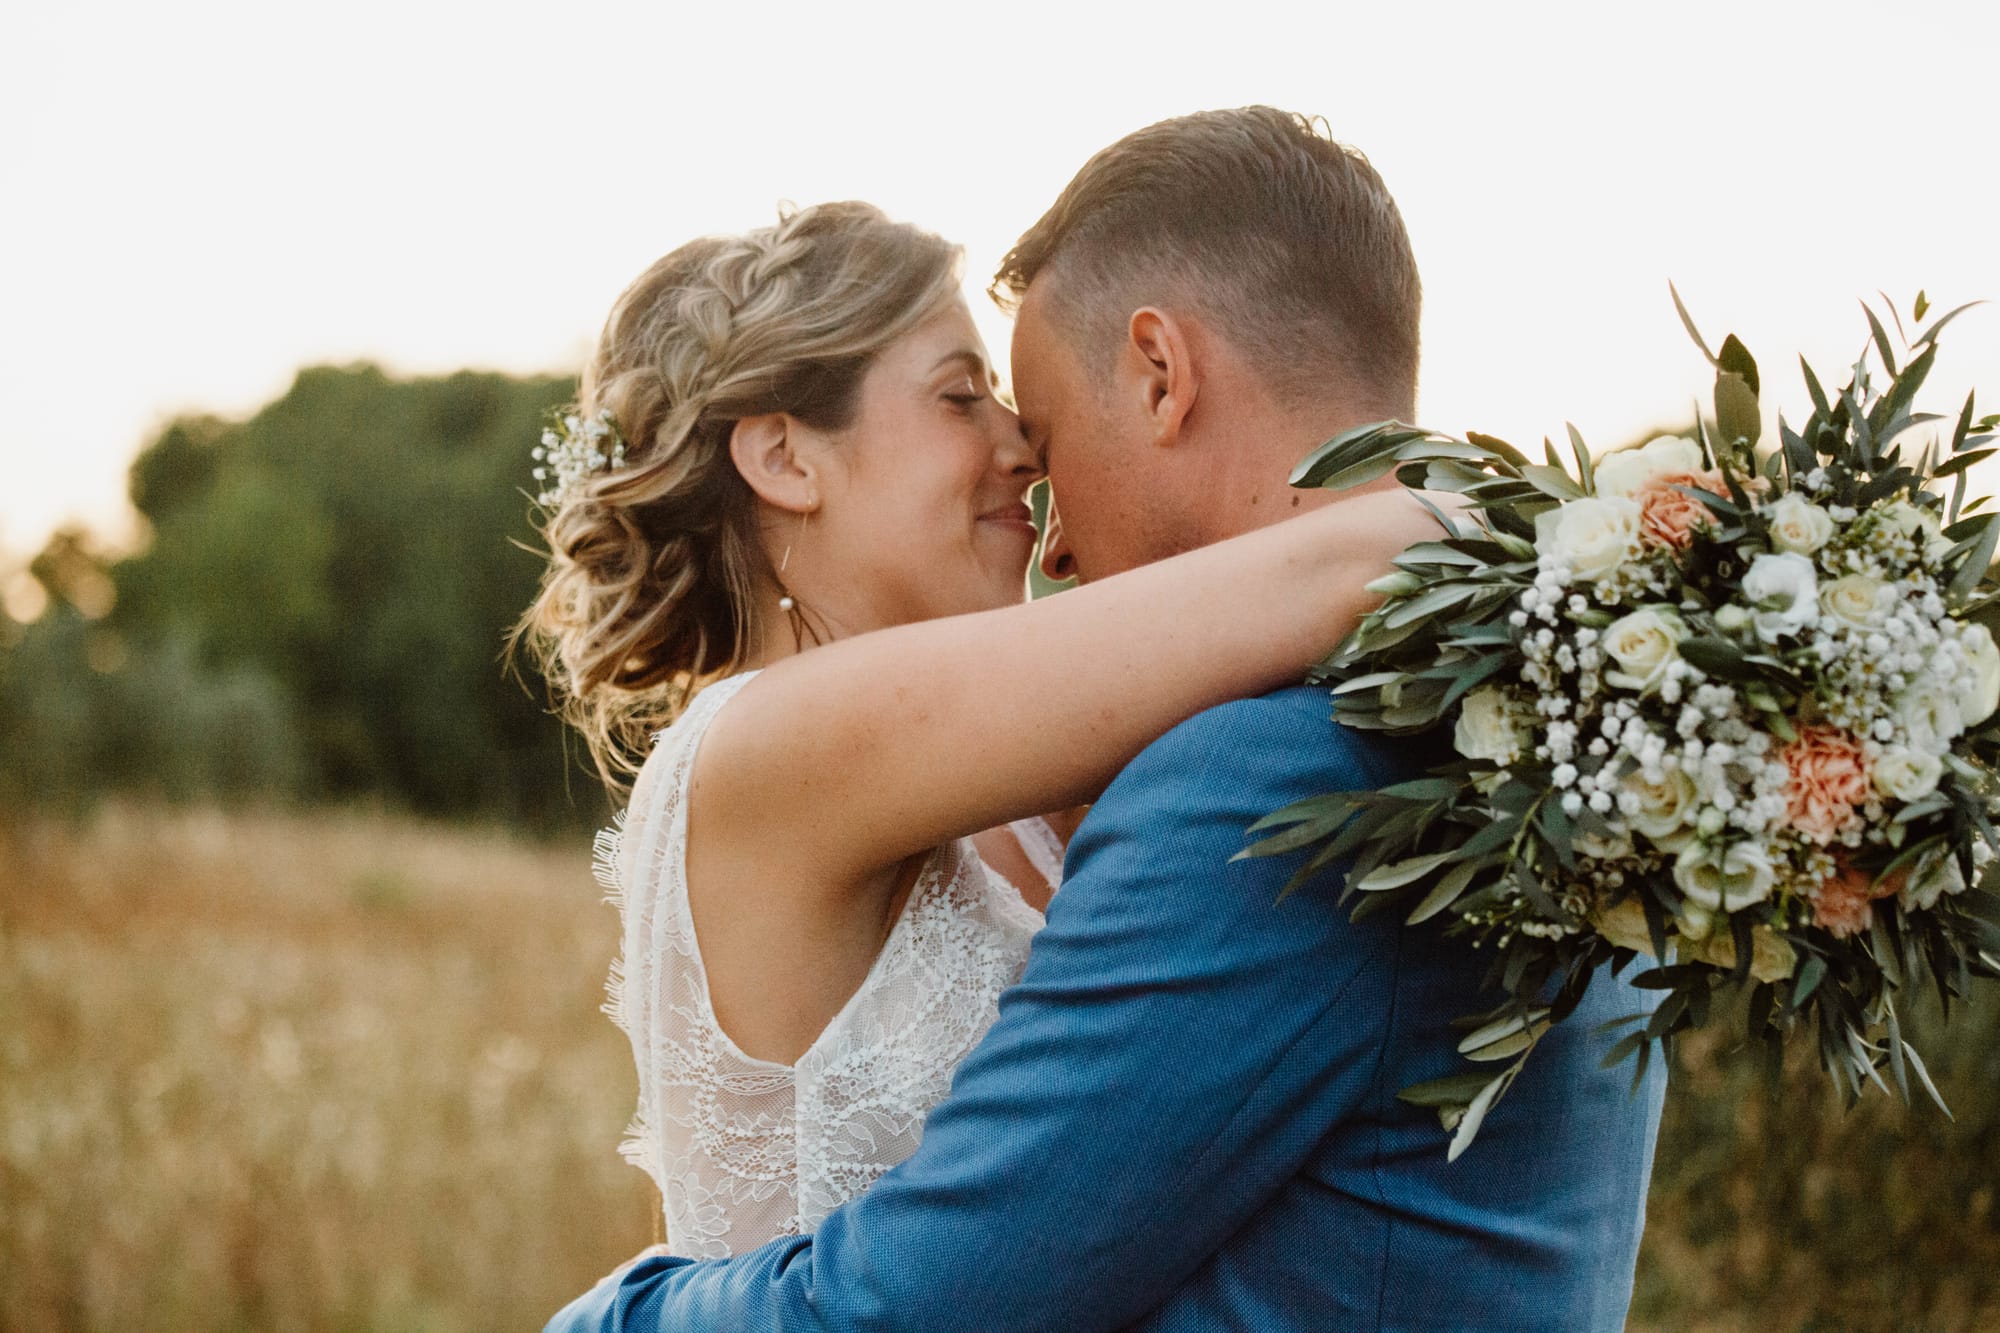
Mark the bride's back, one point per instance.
(745, 1149)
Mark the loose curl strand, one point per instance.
(655, 567)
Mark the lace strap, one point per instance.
(1041, 846)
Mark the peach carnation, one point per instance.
(1829, 777)
(1841, 903)
(1668, 516)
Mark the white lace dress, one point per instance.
(743, 1149)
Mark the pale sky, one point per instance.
(202, 197)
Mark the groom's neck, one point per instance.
(1249, 487)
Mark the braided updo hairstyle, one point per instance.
(654, 566)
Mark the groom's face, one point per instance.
(1096, 454)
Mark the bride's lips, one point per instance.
(1017, 517)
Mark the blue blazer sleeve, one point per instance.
(1136, 1101)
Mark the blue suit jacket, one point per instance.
(1186, 1116)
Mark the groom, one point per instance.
(1185, 1117)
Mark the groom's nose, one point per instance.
(1057, 562)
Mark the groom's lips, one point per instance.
(1015, 516)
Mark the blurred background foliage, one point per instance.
(319, 614)
(300, 958)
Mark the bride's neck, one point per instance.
(786, 631)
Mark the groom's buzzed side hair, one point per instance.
(1258, 220)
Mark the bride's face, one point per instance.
(924, 502)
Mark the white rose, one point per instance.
(1642, 643)
(1490, 726)
(1935, 876)
(1591, 536)
(1624, 472)
(1921, 526)
(1977, 641)
(1798, 525)
(1785, 590)
(1694, 922)
(1906, 774)
(1859, 601)
(1929, 717)
(1724, 880)
(1663, 809)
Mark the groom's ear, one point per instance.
(765, 453)
(1158, 344)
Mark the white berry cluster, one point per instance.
(573, 448)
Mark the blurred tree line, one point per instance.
(319, 615)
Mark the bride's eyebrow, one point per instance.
(974, 362)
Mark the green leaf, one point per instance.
(1585, 470)
(1924, 1077)
(1552, 481)
(1444, 893)
(1451, 1090)
(1923, 304)
(1960, 462)
(1881, 339)
(1976, 561)
(1820, 404)
(1930, 334)
(1508, 1024)
(1499, 447)
(1687, 322)
(1718, 657)
(1398, 873)
(1475, 1115)
(1373, 680)
(1735, 359)
(1737, 416)
(1809, 977)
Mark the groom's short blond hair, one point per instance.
(1254, 218)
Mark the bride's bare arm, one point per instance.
(867, 751)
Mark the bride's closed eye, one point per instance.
(966, 394)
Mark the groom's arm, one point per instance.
(1175, 1050)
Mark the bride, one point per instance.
(790, 520)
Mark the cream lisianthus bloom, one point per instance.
(1592, 536)
(1625, 471)
(1929, 717)
(1935, 876)
(1859, 601)
(1663, 808)
(1624, 925)
(1905, 774)
(1724, 879)
(1784, 590)
(1492, 724)
(1977, 641)
(1772, 957)
(1642, 644)
(1798, 525)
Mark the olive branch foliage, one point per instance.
(1439, 852)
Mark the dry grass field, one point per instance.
(348, 1072)
(277, 1073)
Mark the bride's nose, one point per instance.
(1014, 455)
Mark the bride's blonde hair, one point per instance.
(654, 565)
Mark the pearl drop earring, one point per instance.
(786, 602)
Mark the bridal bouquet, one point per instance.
(1728, 705)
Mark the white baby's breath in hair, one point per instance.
(572, 450)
